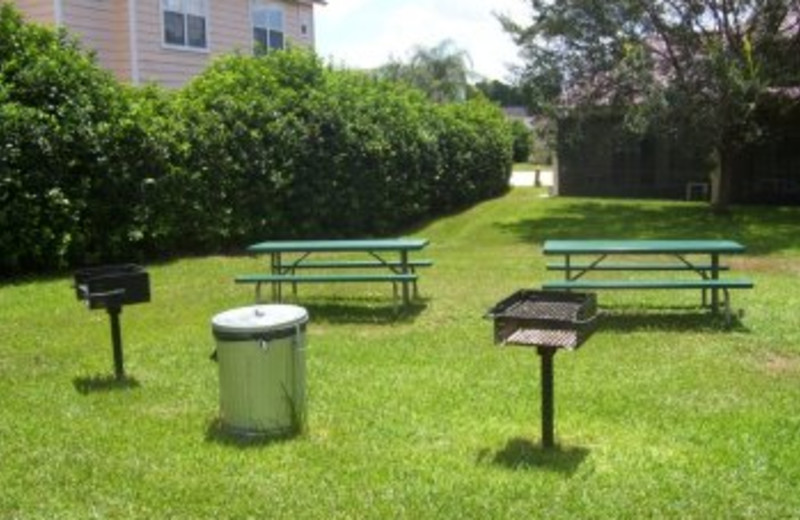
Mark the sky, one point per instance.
(368, 33)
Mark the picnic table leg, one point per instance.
(714, 276)
(404, 269)
(275, 268)
(567, 275)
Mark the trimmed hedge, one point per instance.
(255, 148)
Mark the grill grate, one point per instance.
(542, 337)
(544, 319)
(544, 310)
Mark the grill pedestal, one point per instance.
(114, 310)
(549, 321)
(110, 287)
(546, 355)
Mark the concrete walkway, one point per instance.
(528, 178)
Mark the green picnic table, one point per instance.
(391, 258)
(701, 257)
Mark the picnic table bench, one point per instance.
(683, 254)
(380, 265)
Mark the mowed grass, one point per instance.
(663, 413)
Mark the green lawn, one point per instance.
(663, 413)
(531, 166)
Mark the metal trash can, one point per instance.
(261, 357)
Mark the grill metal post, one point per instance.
(546, 355)
(116, 339)
(110, 287)
(549, 321)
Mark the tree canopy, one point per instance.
(442, 71)
(502, 93)
(702, 65)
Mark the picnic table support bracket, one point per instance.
(583, 270)
(292, 269)
(546, 357)
(380, 259)
(703, 274)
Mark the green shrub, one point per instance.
(275, 146)
(279, 146)
(523, 141)
(475, 144)
(57, 115)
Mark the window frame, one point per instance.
(255, 7)
(186, 47)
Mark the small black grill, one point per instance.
(110, 287)
(544, 319)
(549, 321)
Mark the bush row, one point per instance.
(278, 146)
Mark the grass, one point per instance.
(529, 167)
(663, 413)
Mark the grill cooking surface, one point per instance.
(542, 310)
(544, 319)
(547, 338)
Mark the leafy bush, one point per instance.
(57, 111)
(523, 141)
(279, 146)
(275, 146)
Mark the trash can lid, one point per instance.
(259, 318)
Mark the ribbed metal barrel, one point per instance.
(261, 356)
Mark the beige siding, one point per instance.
(102, 27)
(41, 11)
(297, 16)
(229, 30)
(230, 26)
(160, 64)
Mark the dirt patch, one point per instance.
(765, 265)
(779, 364)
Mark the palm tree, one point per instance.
(442, 71)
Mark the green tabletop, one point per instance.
(304, 246)
(577, 247)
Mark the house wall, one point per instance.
(596, 159)
(769, 172)
(598, 162)
(229, 30)
(104, 26)
(40, 11)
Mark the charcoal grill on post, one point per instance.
(110, 287)
(549, 321)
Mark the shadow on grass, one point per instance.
(667, 319)
(362, 310)
(761, 229)
(101, 383)
(522, 454)
(216, 432)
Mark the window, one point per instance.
(185, 23)
(268, 30)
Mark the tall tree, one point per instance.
(502, 93)
(442, 71)
(693, 64)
